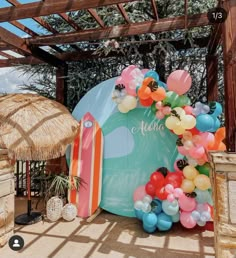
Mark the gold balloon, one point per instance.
(187, 186)
(202, 182)
(190, 172)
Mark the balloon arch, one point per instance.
(185, 194)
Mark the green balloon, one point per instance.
(153, 107)
(183, 100)
(171, 99)
(204, 169)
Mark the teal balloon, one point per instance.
(150, 219)
(171, 99)
(204, 122)
(216, 125)
(162, 84)
(149, 229)
(164, 222)
(215, 108)
(202, 196)
(156, 206)
(183, 100)
(175, 218)
(170, 208)
(152, 74)
(139, 214)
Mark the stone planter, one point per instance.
(223, 179)
(6, 197)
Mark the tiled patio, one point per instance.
(107, 236)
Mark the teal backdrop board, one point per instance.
(135, 145)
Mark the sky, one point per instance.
(10, 78)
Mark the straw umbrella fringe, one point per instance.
(33, 127)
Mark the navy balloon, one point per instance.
(156, 206)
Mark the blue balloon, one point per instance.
(216, 125)
(150, 219)
(149, 229)
(156, 206)
(139, 214)
(152, 74)
(215, 108)
(204, 122)
(162, 84)
(164, 222)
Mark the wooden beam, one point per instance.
(186, 14)
(229, 49)
(123, 13)
(212, 77)
(154, 8)
(61, 84)
(71, 22)
(40, 8)
(29, 60)
(215, 39)
(20, 44)
(96, 17)
(166, 24)
(6, 55)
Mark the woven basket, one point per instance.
(54, 208)
(69, 212)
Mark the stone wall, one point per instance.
(223, 179)
(6, 197)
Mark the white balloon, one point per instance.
(138, 205)
(146, 207)
(129, 102)
(147, 198)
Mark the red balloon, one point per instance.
(157, 179)
(174, 178)
(161, 193)
(150, 189)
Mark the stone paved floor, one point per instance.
(108, 236)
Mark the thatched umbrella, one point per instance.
(33, 127)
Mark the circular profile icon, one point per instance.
(217, 15)
(16, 243)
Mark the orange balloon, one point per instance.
(146, 102)
(146, 81)
(144, 93)
(220, 134)
(158, 94)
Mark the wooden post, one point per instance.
(229, 43)
(61, 84)
(212, 77)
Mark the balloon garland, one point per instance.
(185, 194)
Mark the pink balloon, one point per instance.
(179, 81)
(144, 71)
(170, 198)
(197, 152)
(182, 150)
(178, 192)
(187, 220)
(188, 110)
(139, 193)
(119, 80)
(127, 70)
(169, 188)
(187, 203)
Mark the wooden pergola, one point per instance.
(31, 52)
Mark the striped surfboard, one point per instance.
(86, 163)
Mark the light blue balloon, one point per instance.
(204, 122)
(152, 74)
(156, 206)
(164, 222)
(215, 108)
(150, 219)
(170, 208)
(162, 84)
(202, 196)
(175, 218)
(149, 229)
(139, 214)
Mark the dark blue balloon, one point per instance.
(156, 206)
(204, 122)
(150, 219)
(215, 108)
(139, 214)
(152, 74)
(164, 222)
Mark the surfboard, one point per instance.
(86, 162)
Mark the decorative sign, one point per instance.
(232, 201)
(135, 145)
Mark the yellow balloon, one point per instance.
(178, 130)
(129, 102)
(188, 121)
(187, 186)
(202, 182)
(122, 109)
(190, 172)
(172, 122)
(179, 111)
